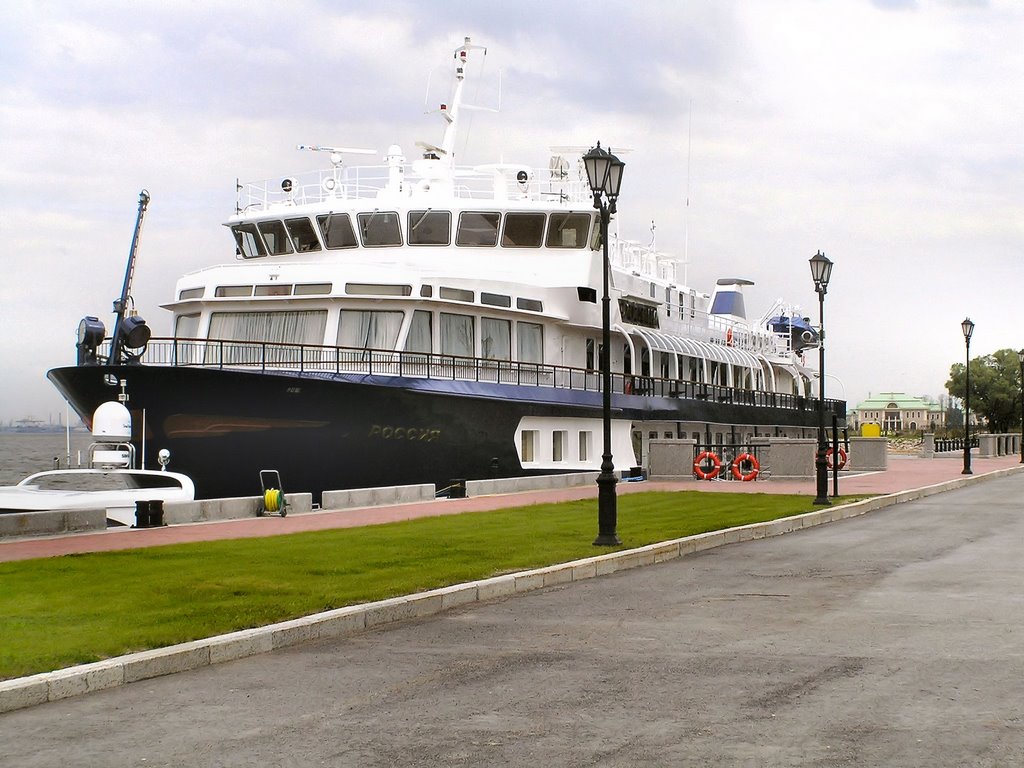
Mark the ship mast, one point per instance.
(120, 306)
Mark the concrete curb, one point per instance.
(74, 681)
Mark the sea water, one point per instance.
(22, 453)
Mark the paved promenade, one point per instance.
(889, 639)
(902, 474)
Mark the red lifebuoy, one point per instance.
(716, 465)
(747, 458)
(842, 458)
(728, 337)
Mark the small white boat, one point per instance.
(110, 482)
(116, 490)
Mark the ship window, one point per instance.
(377, 289)
(303, 234)
(365, 329)
(430, 227)
(495, 339)
(426, 291)
(380, 228)
(312, 289)
(532, 305)
(336, 229)
(523, 230)
(275, 237)
(248, 241)
(457, 335)
(530, 342)
(455, 294)
(568, 230)
(420, 338)
(559, 441)
(528, 443)
(586, 441)
(263, 328)
(495, 299)
(190, 293)
(186, 326)
(478, 229)
(233, 290)
(274, 289)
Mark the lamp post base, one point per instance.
(821, 472)
(606, 510)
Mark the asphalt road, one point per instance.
(893, 639)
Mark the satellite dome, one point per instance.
(112, 421)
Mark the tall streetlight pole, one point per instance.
(968, 328)
(1020, 356)
(821, 271)
(604, 174)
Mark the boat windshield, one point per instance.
(101, 481)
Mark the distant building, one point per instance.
(899, 412)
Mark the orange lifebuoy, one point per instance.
(627, 386)
(716, 465)
(842, 458)
(728, 337)
(750, 459)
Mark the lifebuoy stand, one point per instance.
(751, 461)
(842, 458)
(698, 465)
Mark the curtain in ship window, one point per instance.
(495, 339)
(419, 339)
(272, 328)
(456, 335)
(530, 344)
(367, 329)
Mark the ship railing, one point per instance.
(367, 182)
(310, 359)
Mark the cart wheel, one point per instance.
(284, 512)
(259, 512)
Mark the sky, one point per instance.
(889, 134)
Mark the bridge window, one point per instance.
(430, 227)
(523, 230)
(248, 241)
(190, 293)
(379, 229)
(303, 234)
(568, 230)
(478, 229)
(275, 237)
(530, 305)
(336, 230)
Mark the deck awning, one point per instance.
(719, 353)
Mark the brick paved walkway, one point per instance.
(903, 473)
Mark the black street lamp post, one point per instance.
(968, 328)
(1020, 356)
(604, 174)
(821, 271)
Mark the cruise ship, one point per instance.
(417, 321)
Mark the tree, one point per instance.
(995, 388)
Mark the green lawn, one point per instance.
(57, 612)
